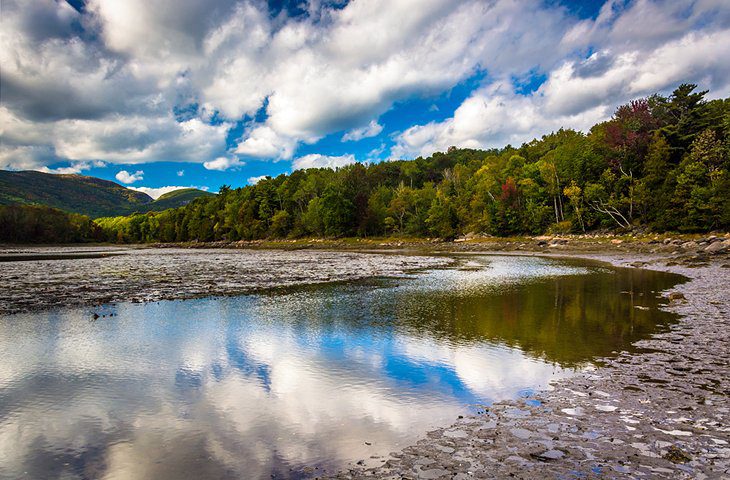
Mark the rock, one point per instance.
(606, 408)
(617, 241)
(433, 473)
(521, 433)
(676, 455)
(577, 411)
(691, 245)
(549, 455)
(716, 247)
(676, 296)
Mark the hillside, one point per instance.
(660, 163)
(176, 198)
(86, 195)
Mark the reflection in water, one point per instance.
(267, 385)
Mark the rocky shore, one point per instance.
(660, 413)
(35, 278)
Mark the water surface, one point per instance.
(297, 382)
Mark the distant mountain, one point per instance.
(176, 198)
(86, 195)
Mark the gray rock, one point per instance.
(433, 473)
(549, 455)
(521, 433)
(716, 247)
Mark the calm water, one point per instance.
(261, 385)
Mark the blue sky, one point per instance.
(158, 94)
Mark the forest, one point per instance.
(42, 224)
(660, 163)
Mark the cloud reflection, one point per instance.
(263, 385)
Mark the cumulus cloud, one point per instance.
(316, 160)
(372, 129)
(74, 168)
(157, 192)
(105, 83)
(255, 180)
(127, 178)
(491, 117)
(580, 92)
(223, 163)
(181, 173)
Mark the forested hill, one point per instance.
(660, 162)
(89, 196)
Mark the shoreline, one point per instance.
(659, 413)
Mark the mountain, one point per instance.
(176, 198)
(86, 195)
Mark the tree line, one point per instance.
(42, 224)
(661, 162)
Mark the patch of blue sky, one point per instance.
(584, 9)
(529, 83)
(184, 174)
(417, 110)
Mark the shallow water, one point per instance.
(293, 383)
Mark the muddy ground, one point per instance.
(42, 278)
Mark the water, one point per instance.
(298, 382)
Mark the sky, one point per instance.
(162, 94)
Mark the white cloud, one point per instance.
(223, 163)
(181, 173)
(263, 141)
(74, 168)
(255, 180)
(316, 160)
(127, 178)
(157, 192)
(102, 84)
(372, 129)
(577, 94)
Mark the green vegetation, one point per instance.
(174, 199)
(41, 224)
(71, 193)
(89, 196)
(661, 162)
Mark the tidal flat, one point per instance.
(36, 278)
(288, 364)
